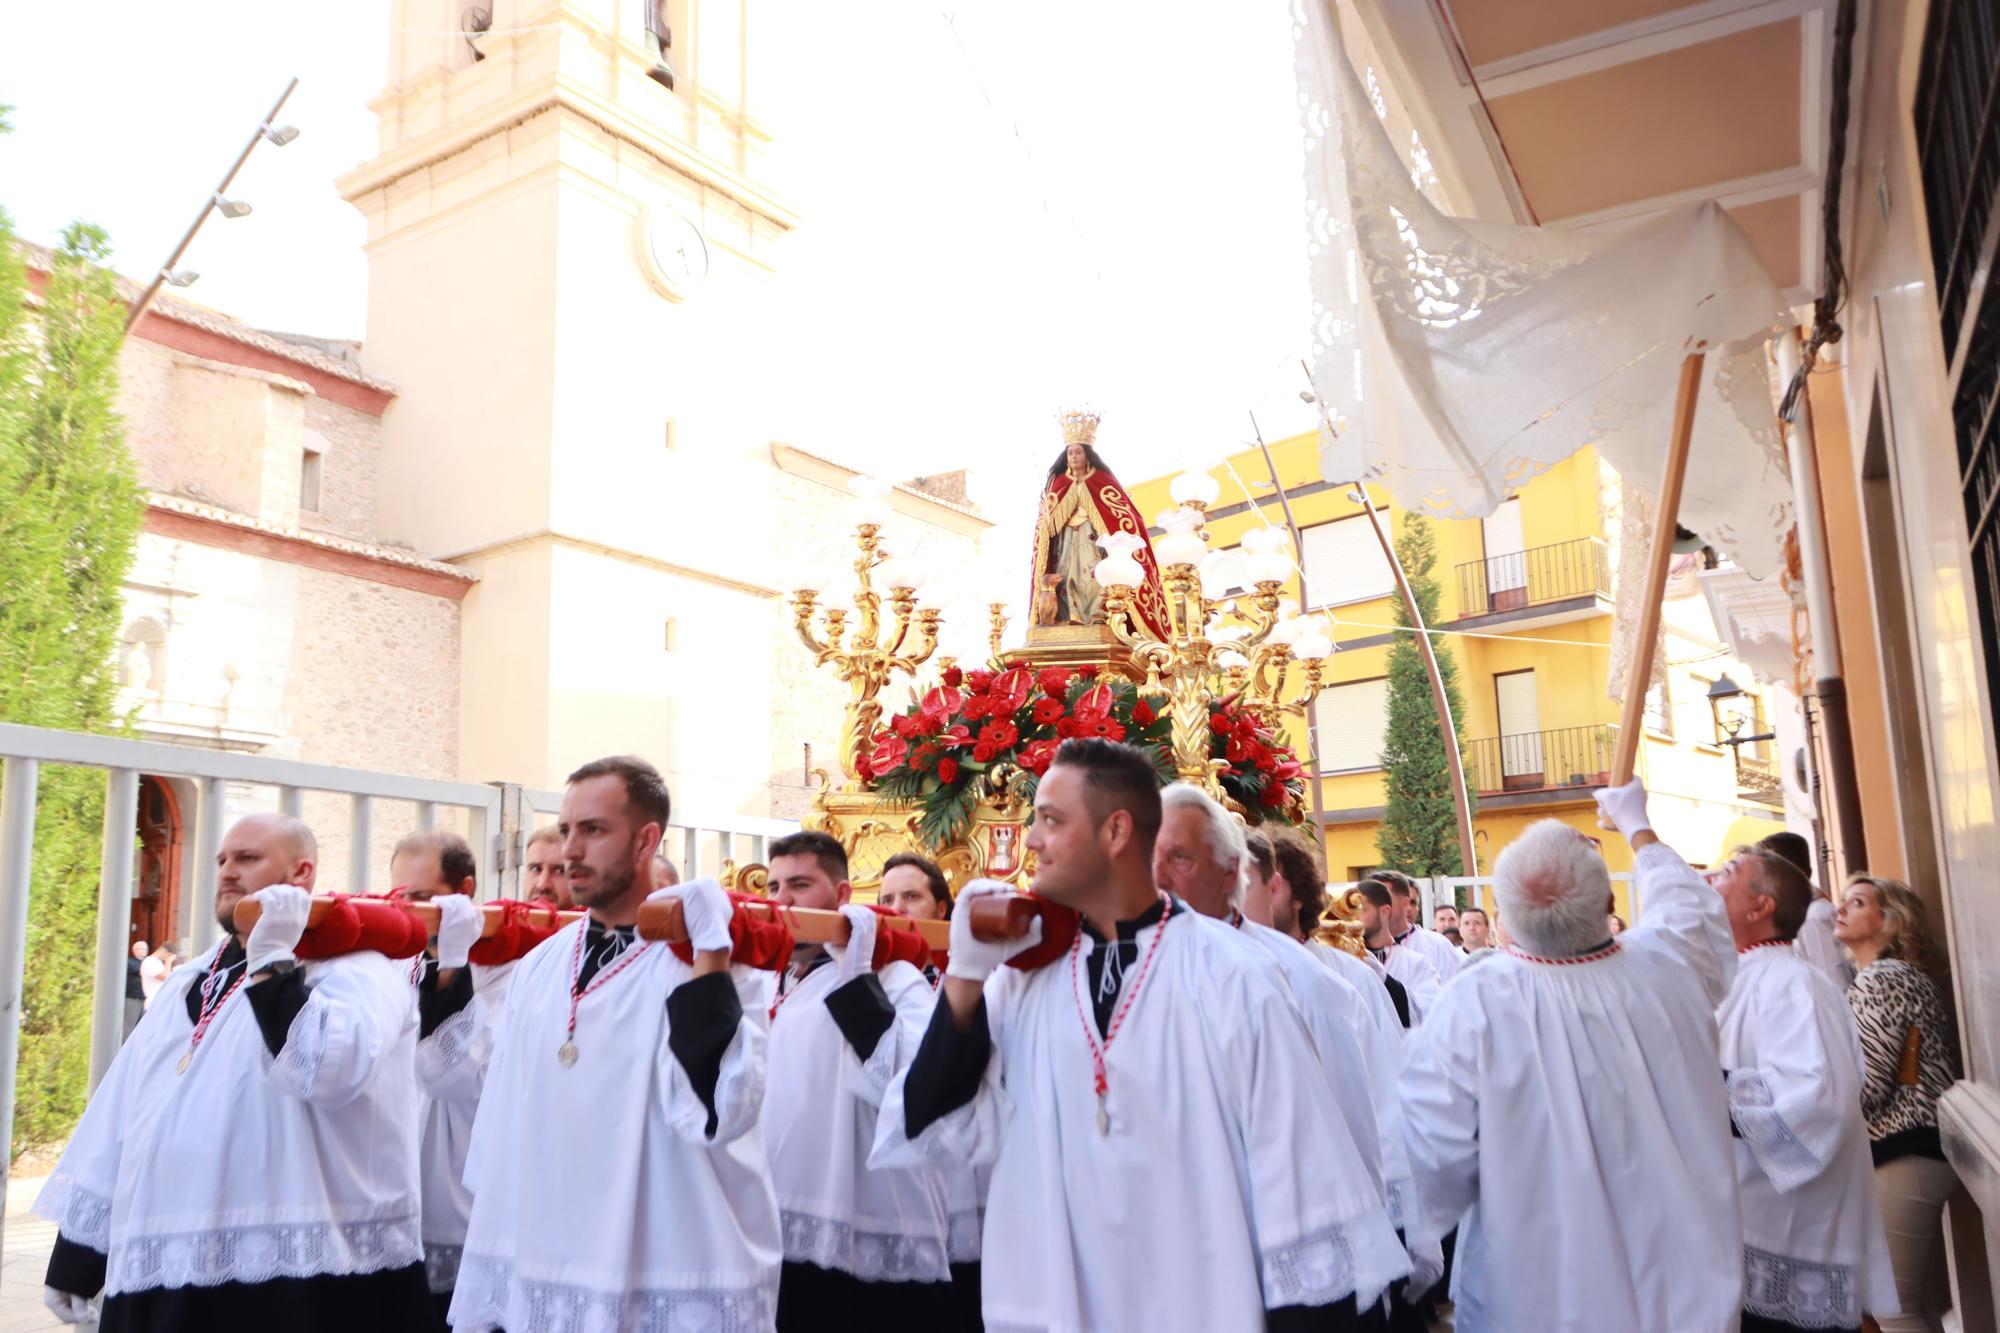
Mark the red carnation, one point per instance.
(954, 677)
(947, 770)
(999, 735)
(1088, 671)
(1220, 724)
(1143, 714)
(1273, 795)
(1266, 760)
(888, 754)
(1047, 712)
(978, 706)
(1246, 727)
(1055, 680)
(979, 681)
(982, 753)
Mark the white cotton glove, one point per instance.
(974, 959)
(461, 921)
(284, 911)
(856, 958)
(705, 911)
(67, 1306)
(1625, 807)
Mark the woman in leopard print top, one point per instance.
(1895, 1002)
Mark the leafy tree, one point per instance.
(1419, 830)
(70, 511)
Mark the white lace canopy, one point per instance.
(1461, 358)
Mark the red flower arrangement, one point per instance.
(978, 728)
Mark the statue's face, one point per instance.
(1078, 461)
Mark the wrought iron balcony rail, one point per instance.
(1552, 573)
(1538, 760)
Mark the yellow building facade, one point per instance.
(1525, 610)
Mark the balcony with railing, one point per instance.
(1537, 576)
(1540, 760)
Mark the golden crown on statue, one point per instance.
(1079, 425)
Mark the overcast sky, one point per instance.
(1009, 205)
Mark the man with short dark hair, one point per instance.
(666, 1219)
(863, 1249)
(1444, 918)
(1815, 941)
(913, 886)
(544, 874)
(456, 1006)
(252, 1162)
(1410, 933)
(1476, 929)
(1815, 1255)
(1409, 970)
(1158, 1033)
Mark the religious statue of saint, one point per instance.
(1081, 502)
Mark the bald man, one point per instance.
(250, 1160)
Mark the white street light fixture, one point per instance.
(1195, 488)
(231, 208)
(280, 135)
(179, 277)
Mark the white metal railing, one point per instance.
(1433, 890)
(498, 818)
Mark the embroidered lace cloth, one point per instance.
(262, 1253)
(491, 1293)
(1798, 1292)
(1458, 359)
(872, 1256)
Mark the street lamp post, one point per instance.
(217, 201)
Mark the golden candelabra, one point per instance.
(871, 657)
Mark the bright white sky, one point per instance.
(1010, 205)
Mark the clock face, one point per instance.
(676, 255)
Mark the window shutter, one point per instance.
(1344, 563)
(1353, 719)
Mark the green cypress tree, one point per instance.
(1419, 830)
(70, 512)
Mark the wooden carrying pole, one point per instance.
(1625, 757)
(996, 918)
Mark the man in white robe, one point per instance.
(1145, 1100)
(1298, 890)
(1412, 934)
(1566, 1099)
(250, 1160)
(1814, 1252)
(618, 1177)
(1418, 985)
(456, 1006)
(863, 1249)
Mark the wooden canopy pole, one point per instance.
(1002, 917)
(1625, 757)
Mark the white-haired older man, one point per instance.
(1566, 1098)
(1201, 856)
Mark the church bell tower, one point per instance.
(571, 234)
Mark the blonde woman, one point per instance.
(1911, 1056)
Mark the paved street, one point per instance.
(28, 1242)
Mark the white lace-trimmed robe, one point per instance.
(1420, 981)
(1193, 1211)
(600, 1203)
(1815, 943)
(1574, 1115)
(1444, 957)
(1384, 1040)
(249, 1168)
(1814, 1251)
(820, 1105)
(451, 1071)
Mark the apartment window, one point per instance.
(672, 433)
(312, 470)
(1660, 710)
(1353, 719)
(670, 640)
(1344, 563)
